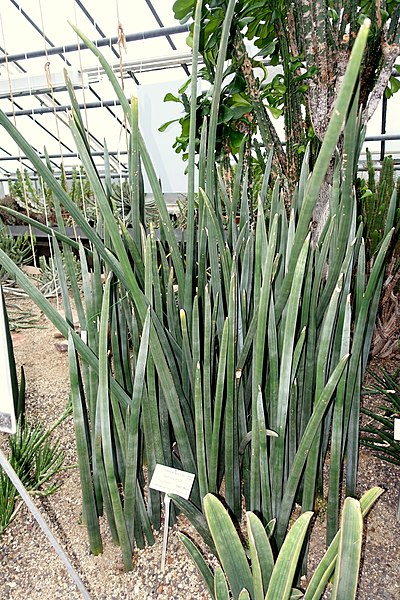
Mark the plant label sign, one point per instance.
(397, 430)
(7, 413)
(172, 481)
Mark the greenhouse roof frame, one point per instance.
(158, 51)
(55, 104)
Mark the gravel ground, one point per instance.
(30, 569)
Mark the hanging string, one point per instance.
(121, 48)
(47, 69)
(31, 236)
(81, 72)
(87, 130)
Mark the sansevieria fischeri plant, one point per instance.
(231, 352)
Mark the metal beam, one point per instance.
(57, 175)
(62, 108)
(382, 137)
(169, 40)
(65, 155)
(132, 37)
(154, 63)
(48, 40)
(9, 157)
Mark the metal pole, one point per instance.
(67, 155)
(61, 108)
(131, 37)
(383, 126)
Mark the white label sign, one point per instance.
(397, 429)
(7, 414)
(172, 481)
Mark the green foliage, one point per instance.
(374, 199)
(309, 43)
(8, 495)
(47, 278)
(79, 189)
(392, 87)
(378, 431)
(20, 318)
(121, 198)
(19, 249)
(28, 197)
(235, 119)
(36, 459)
(198, 348)
(37, 200)
(251, 570)
(34, 456)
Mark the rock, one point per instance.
(61, 346)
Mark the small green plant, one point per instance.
(19, 249)
(374, 198)
(47, 278)
(28, 197)
(19, 319)
(8, 495)
(378, 432)
(121, 197)
(34, 456)
(249, 570)
(36, 459)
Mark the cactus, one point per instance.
(374, 203)
(377, 200)
(19, 249)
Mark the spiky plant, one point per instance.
(378, 196)
(377, 433)
(36, 459)
(19, 249)
(196, 347)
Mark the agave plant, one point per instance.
(195, 349)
